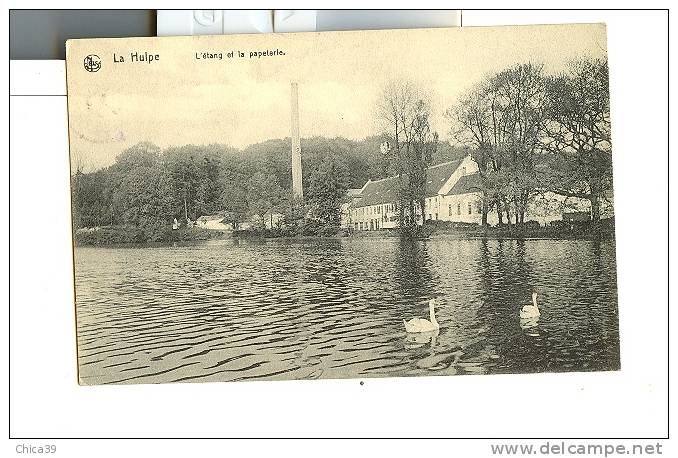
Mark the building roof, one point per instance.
(466, 184)
(379, 192)
(351, 195)
(437, 176)
(386, 190)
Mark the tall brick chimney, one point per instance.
(297, 188)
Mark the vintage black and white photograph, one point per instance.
(358, 204)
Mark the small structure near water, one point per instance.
(213, 222)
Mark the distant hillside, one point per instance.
(362, 159)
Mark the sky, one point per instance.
(178, 99)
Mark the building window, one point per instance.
(361, 225)
(459, 209)
(449, 209)
(479, 207)
(470, 208)
(356, 226)
(436, 216)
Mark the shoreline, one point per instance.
(111, 237)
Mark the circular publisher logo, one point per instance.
(92, 63)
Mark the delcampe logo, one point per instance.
(92, 63)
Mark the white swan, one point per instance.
(422, 325)
(530, 311)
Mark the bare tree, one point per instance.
(405, 110)
(476, 123)
(502, 120)
(578, 133)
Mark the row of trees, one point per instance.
(528, 131)
(147, 188)
(531, 132)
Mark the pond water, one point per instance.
(334, 308)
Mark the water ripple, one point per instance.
(237, 310)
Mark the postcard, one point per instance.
(356, 204)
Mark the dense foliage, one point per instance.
(147, 188)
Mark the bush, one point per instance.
(530, 225)
(108, 235)
(149, 233)
(560, 225)
(155, 231)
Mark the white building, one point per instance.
(213, 222)
(376, 206)
(350, 200)
(453, 194)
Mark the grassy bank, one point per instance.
(120, 235)
(529, 233)
(531, 230)
(560, 230)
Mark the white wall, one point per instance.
(461, 202)
(377, 214)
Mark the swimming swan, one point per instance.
(530, 311)
(422, 325)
